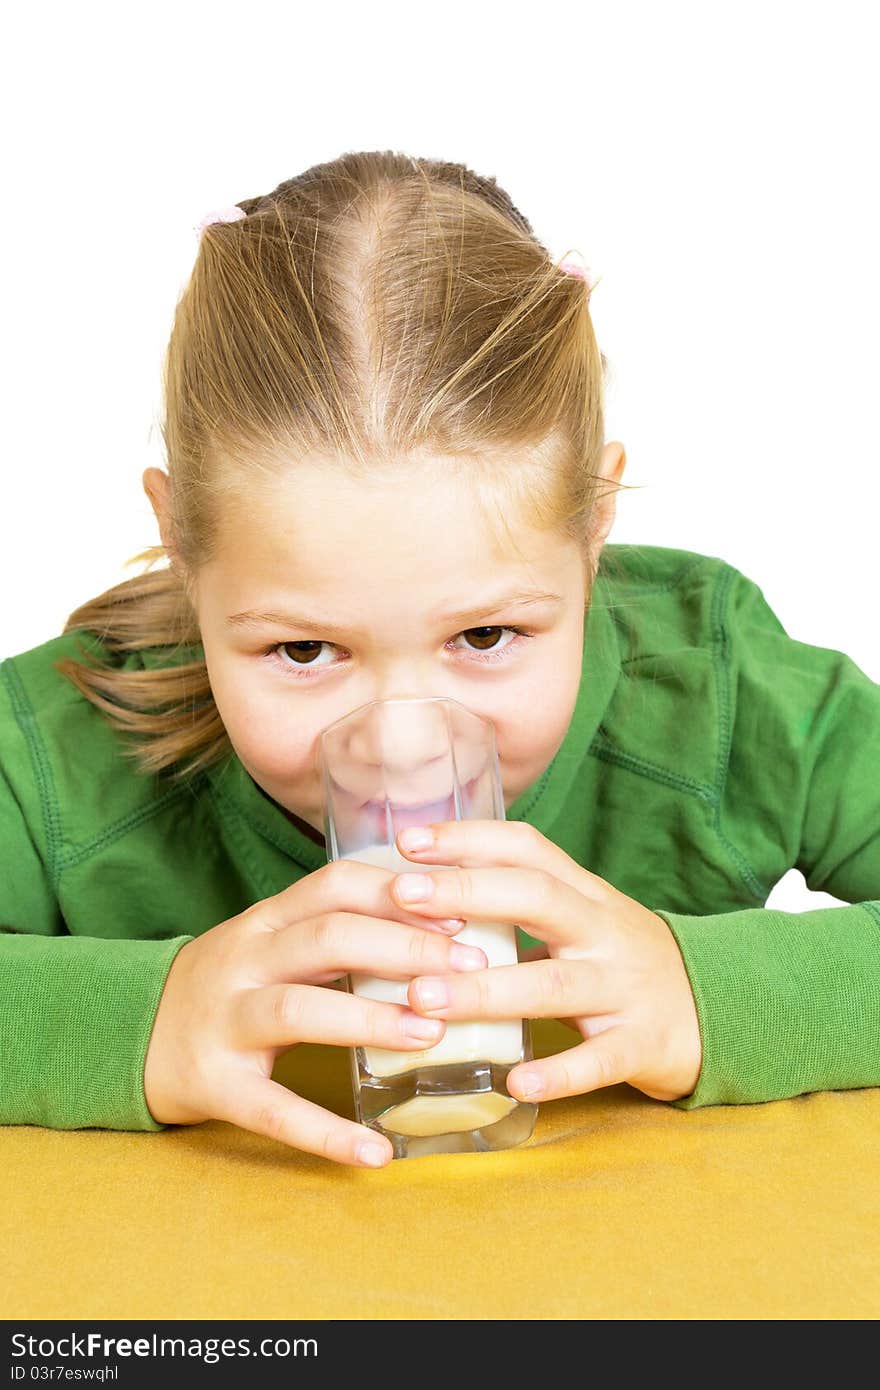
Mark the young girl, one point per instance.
(387, 477)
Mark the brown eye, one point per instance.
(483, 645)
(300, 657)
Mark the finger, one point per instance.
(268, 1108)
(544, 906)
(344, 885)
(606, 1060)
(319, 951)
(510, 844)
(532, 989)
(281, 1015)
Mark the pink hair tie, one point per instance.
(572, 266)
(233, 214)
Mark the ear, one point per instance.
(611, 467)
(156, 486)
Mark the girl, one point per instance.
(387, 476)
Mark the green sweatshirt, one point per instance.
(707, 755)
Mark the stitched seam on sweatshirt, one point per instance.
(667, 583)
(656, 774)
(613, 609)
(48, 800)
(122, 827)
(228, 812)
(720, 652)
(873, 908)
(605, 749)
(538, 793)
(224, 802)
(609, 754)
(42, 771)
(711, 794)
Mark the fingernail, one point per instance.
(374, 1155)
(422, 1028)
(416, 837)
(450, 924)
(432, 994)
(414, 888)
(529, 1084)
(467, 958)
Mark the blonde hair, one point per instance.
(371, 311)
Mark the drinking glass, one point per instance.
(388, 765)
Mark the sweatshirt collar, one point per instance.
(538, 804)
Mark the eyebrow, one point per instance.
(265, 618)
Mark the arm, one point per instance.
(76, 1012)
(74, 1028)
(787, 1001)
(790, 1002)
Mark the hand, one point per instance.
(613, 969)
(250, 988)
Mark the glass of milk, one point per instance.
(388, 765)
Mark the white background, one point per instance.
(716, 164)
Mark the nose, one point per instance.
(399, 749)
(401, 734)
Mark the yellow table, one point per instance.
(617, 1207)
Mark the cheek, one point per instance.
(256, 717)
(552, 689)
(524, 740)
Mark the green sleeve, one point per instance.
(77, 1011)
(787, 1001)
(74, 1028)
(790, 1002)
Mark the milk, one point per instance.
(424, 1116)
(482, 1040)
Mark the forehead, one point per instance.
(407, 524)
